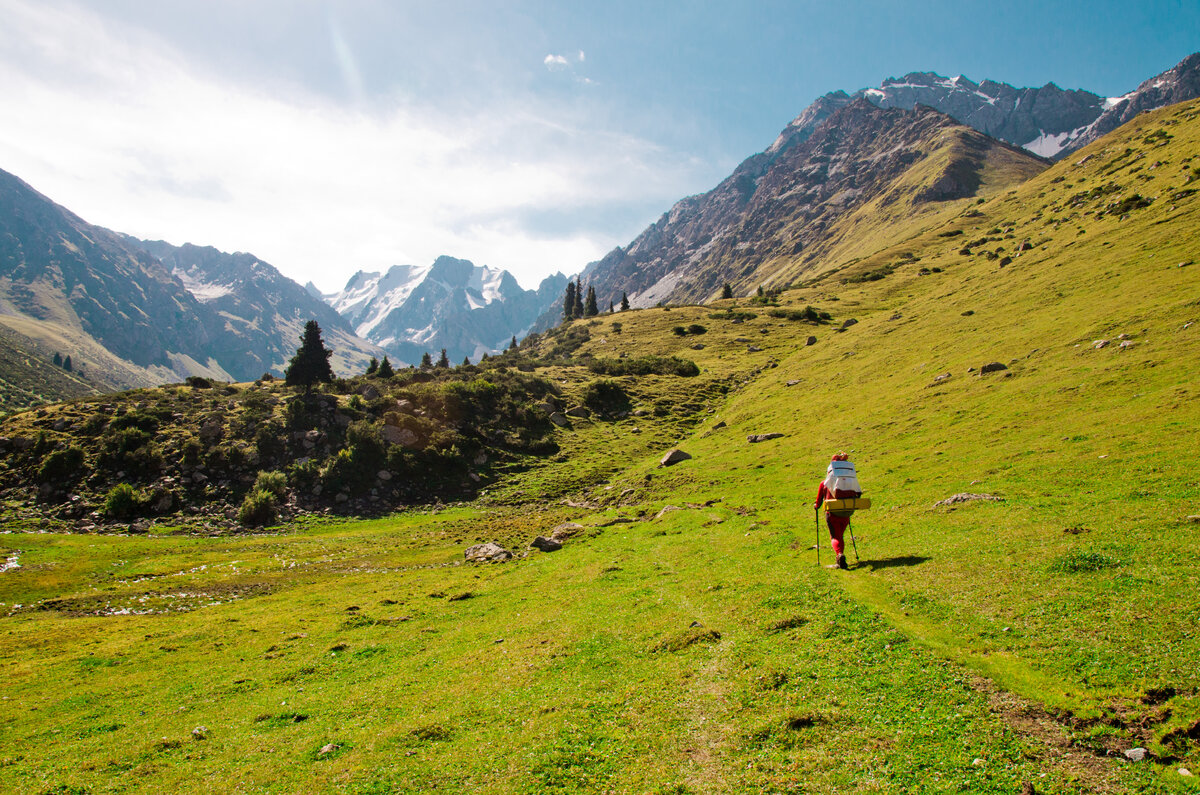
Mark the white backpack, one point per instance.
(841, 480)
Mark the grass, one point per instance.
(974, 648)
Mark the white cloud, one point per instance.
(556, 62)
(117, 127)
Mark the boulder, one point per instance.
(488, 552)
(762, 437)
(546, 544)
(848, 323)
(966, 497)
(1135, 754)
(566, 530)
(993, 367)
(559, 420)
(753, 349)
(578, 411)
(369, 392)
(1098, 344)
(812, 340)
(384, 475)
(667, 509)
(673, 457)
(405, 437)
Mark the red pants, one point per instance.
(837, 527)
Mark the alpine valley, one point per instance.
(590, 562)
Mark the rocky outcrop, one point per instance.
(489, 552)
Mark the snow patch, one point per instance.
(11, 563)
(201, 290)
(1112, 102)
(1050, 144)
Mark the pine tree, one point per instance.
(760, 291)
(512, 346)
(372, 367)
(385, 369)
(466, 361)
(311, 362)
(589, 306)
(727, 290)
(611, 308)
(624, 302)
(426, 361)
(578, 298)
(57, 359)
(67, 363)
(443, 360)
(569, 302)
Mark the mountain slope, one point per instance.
(469, 310)
(263, 312)
(58, 269)
(785, 209)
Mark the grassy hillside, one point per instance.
(1009, 645)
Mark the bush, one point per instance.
(122, 501)
(645, 365)
(199, 382)
(61, 466)
(259, 508)
(808, 314)
(605, 397)
(696, 328)
(273, 483)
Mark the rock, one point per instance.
(326, 750)
(1194, 517)
(673, 457)
(937, 379)
(667, 509)
(1123, 336)
(369, 392)
(792, 383)
(762, 437)
(559, 420)
(1183, 771)
(384, 475)
(992, 367)
(546, 544)
(848, 323)
(1135, 754)
(812, 340)
(741, 339)
(719, 425)
(488, 552)
(566, 530)
(405, 437)
(699, 346)
(966, 497)
(1025, 245)
(578, 411)
(1098, 344)
(978, 762)
(896, 316)
(480, 459)
(753, 349)
(1126, 345)
(200, 733)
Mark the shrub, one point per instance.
(258, 509)
(200, 382)
(808, 314)
(696, 328)
(61, 466)
(122, 501)
(679, 331)
(274, 483)
(645, 365)
(605, 397)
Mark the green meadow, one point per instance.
(686, 639)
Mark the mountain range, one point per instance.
(468, 310)
(849, 162)
(834, 183)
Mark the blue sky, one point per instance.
(329, 137)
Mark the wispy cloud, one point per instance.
(119, 128)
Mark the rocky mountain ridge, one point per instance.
(452, 303)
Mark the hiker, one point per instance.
(840, 482)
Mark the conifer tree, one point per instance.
(311, 362)
(589, 306)
(67, 363)
(385, 369)
(727, 290)
(611, 308)
(57, 359)
(569, 302)
(624, 302)
(443, 360)
(578, 298)
(512, 346)
(466, 361)
(426, 361)
(372, 366)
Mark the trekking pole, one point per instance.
(817, 521)
(850, 527)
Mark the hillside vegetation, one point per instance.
(1039, 348)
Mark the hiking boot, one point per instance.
(841, 562)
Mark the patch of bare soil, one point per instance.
(1057, 749)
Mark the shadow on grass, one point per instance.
(890, 563)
